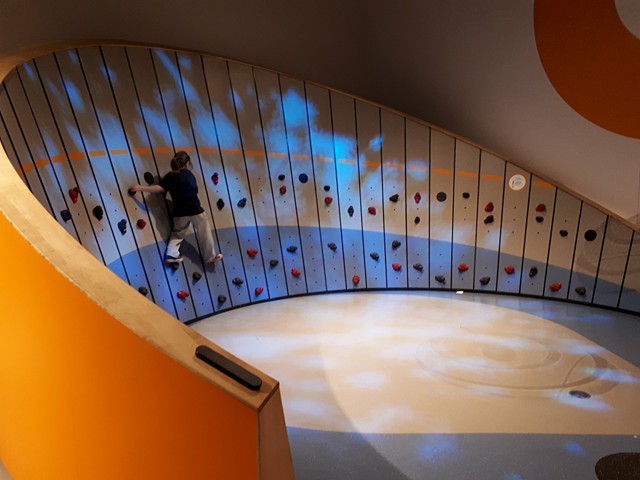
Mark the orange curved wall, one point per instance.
(84, 397)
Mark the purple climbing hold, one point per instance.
(122, 226)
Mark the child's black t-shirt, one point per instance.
(184, 192)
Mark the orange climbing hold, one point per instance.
(541, 207)
(371, 210)
(396, 266)
(182, 295)
(295, 272)
(73, 194)
(283, 190)
(328, 200)
(488, 207)
(509, 269)
(417, 197)
(463, 267)
(356, 279)
(554, 287)
(141, 224)
(252, 252)
(259, 290)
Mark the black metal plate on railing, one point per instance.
(228, 367)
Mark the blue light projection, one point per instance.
(438, 449)
(574, 448)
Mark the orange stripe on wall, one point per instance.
(324, 159)
(141, 150)
(58, 158)
(371, 164)
(418, 169)
(76, 156)
(277, 155)
(119, 151)
(300, 157)
(41, 162)
(255, 153)
(28, 167)
(19, 171)
(208, 150)
(442, 171)
(97, 153)
(347, 161)
(229, 151)
(543, 185)
(186, 149)
(488, 176)
(163, 150)
(466, 174)
(395, 166)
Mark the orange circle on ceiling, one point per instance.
(592, 61)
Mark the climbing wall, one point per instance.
(307, 190)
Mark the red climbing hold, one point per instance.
(554, 287)
(509, 269)
(328, 200)
(488, 207)
(463, 267)
(141, 224)
(541, 207)
(214, 177)
(396, 266)
(252, 252)
(183, 295)
(295, 272)
(417, 197)
(283, 189)
(371, 210)
(73, 194)
(355, 279)
(259, 290)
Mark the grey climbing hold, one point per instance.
(122, 226)
(375, 256)
(418, 266)
(327, 188)
(590, 235)
(66, 215)
(98, 212)
(237, 281)
(220, 204)
(242, 202)
(395, 244)
(143, 291)
(350, 211)
(416, 220)
(466, 195)
(196, 276)
(489, 219)
(440, 278)
(394, 198)
(303, 178)
(221, 299)
(441, 196)
(581, 291)
(281, 177)
(485, 280)
(563, 233)
(274, 262)
(533, 271)
(292, 249)
(333, 246)
(149, 178)
(539, 219)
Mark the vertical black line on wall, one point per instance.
(626, 266)
(453, 209)
(553, 219)
(604, 236)
(575, 243)
(357, 144)
(15, 155)
(406, 208)
(524, 234)
(477, 217)
(430, 197)
(504, 188)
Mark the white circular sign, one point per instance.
(517, 182)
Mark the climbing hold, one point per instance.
(590, 235)
(98, 212)
(394, 198)
(303, 178)
(581, 291)
(488, 220)
(563, 233)
(541, 207)
(292, 249)
(488, 207)
(395, 244)
(221, 299)
(440, 278)
(533, 271)
(463, 267)
(327, 188)
(252, 252)
(174, 266)
(509, 269)
(441, 196)
(237, 281)
(418, 266)
(350, 211)
(371, 210)
(417, 197)
(375, 256)
(73, 194)
(465, 195)
(554, 287)
(295, 272)
(242, 202)
(66, 215)
(214, 178)
(141, 223)
(182, 295)
(220, 204)
(328, 200)
(131, 193)
(396, 266)
(196, 276)
(143, 291)
(259, 290)
(283, 189)
(332, 246)
(539, 219)
(416, 220)
(281, 177)
(356, 279)
(274, 262)
(485, 280)
(122, 226)
(149, 178)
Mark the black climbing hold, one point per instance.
(350, 211)
(131, 192)
(539, 219)
(333, 246)
(303, 178)
(327, 188)
(395, 244)
(418, 266)
(220, 204)
(375, 256)
(149, 178)
(98, 212)
(465, 195)
(485, 280)
(242, 202)
(581, 291)
(196, 276)
(274, 263)
(237, 281)
(122, 226)
(222, 299)
(579, 394)
(292, 249)
(533, 271)
(440, 278)
(281, 177)
(394, 198)
(441, 196)
(66, 215)
(174, 266)
(143, 291)
(416, 220)
(489, 219)
(563, 233)
(590, 235)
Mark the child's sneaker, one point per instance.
(169, 259)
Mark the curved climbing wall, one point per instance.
(309, 190)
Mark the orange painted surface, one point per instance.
(85, 398)
(592, 60)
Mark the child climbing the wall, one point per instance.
(182, 186)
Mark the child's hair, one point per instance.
(180, 160)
